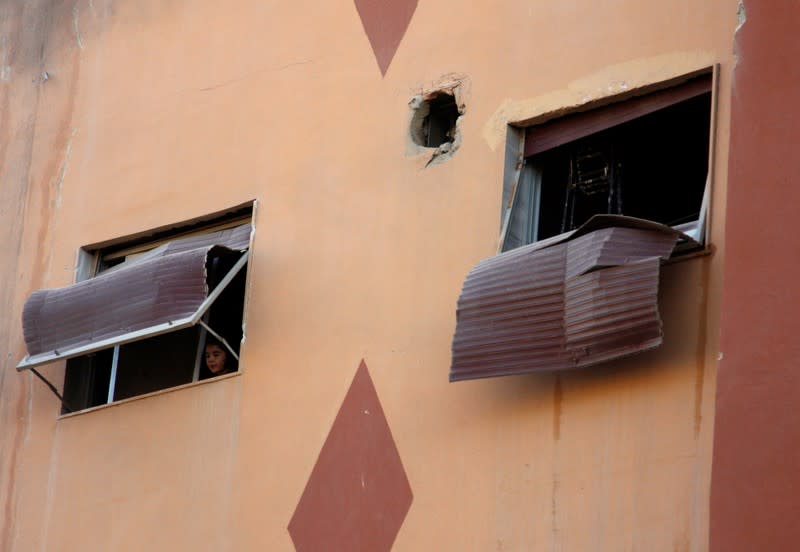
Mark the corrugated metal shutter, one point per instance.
(580, 299)
(162, 290)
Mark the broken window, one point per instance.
(646, 157)
(142, 321)
(600, 200)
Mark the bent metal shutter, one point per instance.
(163, 290)
(574, 300)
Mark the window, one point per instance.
(141, 320)
(645, 157)
(593, 206)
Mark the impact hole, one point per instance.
(434, 121)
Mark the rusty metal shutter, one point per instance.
(160, 291)
(236, 238)
(578, 299)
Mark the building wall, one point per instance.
(754, 502)
(119, 116)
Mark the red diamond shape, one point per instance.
(358, 494)
(385, 22)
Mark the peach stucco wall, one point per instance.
(119, 116)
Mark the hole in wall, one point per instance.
(434, 121)
(436, 118)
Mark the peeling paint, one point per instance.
(5, 69)
(63, 171)
(76, 25)
(741, 15)
(607, 82)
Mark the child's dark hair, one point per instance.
(211, 340)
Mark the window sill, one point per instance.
(147, 395)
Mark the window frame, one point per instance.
(90, 263)
(519, 151)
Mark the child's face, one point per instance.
(215, 358)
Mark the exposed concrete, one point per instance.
(741, 15)
(453, 84)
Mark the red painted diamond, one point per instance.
(358, 494)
